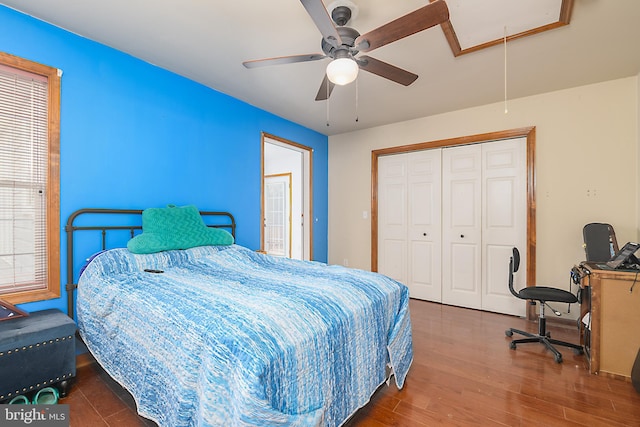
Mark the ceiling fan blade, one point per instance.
(326, 87)
(387, 71)
(320, 16)
(283, 60)
(426, 17)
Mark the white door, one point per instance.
(424, 225)
(461, 227)
(277, 222)
(409, 236)
(504, 222)
(448, 220)
(392, 217)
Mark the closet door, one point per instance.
(409, 221)
(461, 226)
(392, 216)
(424, 267)
(504, 222)
(448, 220)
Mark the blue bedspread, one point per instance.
(229, 337)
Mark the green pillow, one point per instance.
(174, 227)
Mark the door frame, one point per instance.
(528, 132)
(307, 184)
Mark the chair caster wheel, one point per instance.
(558, 358)
(512, 345)
(578, 351)
(508, 332)
(548, 334)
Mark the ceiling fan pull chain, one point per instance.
(327, 104)
(357, 93)
(506, 109)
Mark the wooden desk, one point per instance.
(615, 320)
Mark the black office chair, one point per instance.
(600, 242)
(542, 294)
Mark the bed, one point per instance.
(220, 335)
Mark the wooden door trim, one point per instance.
(527, 132)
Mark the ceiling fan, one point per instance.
(342, 44)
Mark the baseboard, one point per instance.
(562, 321)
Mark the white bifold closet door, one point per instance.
(409, 231)
(392, 217)
(461, 229)
(448, 220)
(504, 222)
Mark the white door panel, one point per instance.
(395, 200)
(463, 203)
(424, 231)
(392, 216)
(461, 230)
(465, 282)
(421, 208)
(500, 195)
(394, 253)
(504, 222)
(496, 266)
(277, 224)
(420, 281)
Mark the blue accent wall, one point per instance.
(134, 136)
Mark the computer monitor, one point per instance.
(625, 256)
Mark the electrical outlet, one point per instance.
(345, 262)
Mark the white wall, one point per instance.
(586, 165)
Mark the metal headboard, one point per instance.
(227, 222)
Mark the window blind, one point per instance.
(23, 180)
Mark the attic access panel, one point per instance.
(475, 25)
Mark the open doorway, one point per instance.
(286, 198)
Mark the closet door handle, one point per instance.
(424, 234)
(462, 236)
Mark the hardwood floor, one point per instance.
(463, 374)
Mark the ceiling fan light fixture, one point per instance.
(342, 71)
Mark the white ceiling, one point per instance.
(207, 41)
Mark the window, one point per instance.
(29, 180)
